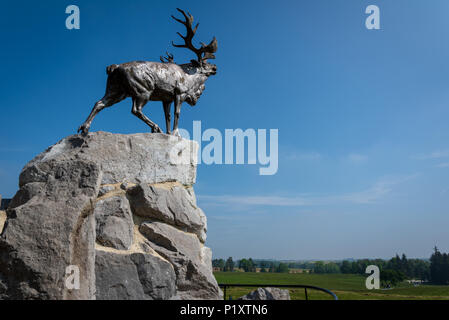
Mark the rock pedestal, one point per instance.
(267, 294)
(116, 212)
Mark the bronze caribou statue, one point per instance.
(159, 81)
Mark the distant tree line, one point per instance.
(397, 269)
(250, 265)
(227, 266)
(403, 267)
(392, 271)
(435, 270)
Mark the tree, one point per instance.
(405, 266)
(221, 264)
(218, 263)
(345, 267)
(251, 265)
(318, 267)
(355, 268)
(282, 268)
(331, 267)
(229, 265)
(391, 277)
(439, 267)
(243, 264)
(421, 269)
(247, 265)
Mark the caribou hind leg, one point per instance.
(138, 104)
(106, 101)
(167, 106)
(177, 114)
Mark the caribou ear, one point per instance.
(195, 63)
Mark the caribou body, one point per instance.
(163, 81)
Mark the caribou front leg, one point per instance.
(138, 105)
(177, 113)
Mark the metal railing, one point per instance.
(225, 286)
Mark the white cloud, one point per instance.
(306, 156)
(255, 200)
(434, 155)
(357, 158)
(371, 195)
(443, 165)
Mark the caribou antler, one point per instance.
(203, 53)
(167, 59)
(210, 49)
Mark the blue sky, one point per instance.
(362, 114)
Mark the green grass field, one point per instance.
(345, 286)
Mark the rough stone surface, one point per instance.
(134, 158)
(134, 276)
(267, 294)
(51, 226)
(105, 189)
(73, 209)
(2, 220)
(173, 205)
(126, 185)
(190, 259)
(114, 222)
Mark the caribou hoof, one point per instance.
(176, 133)
(156, 130)
(83, 129)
